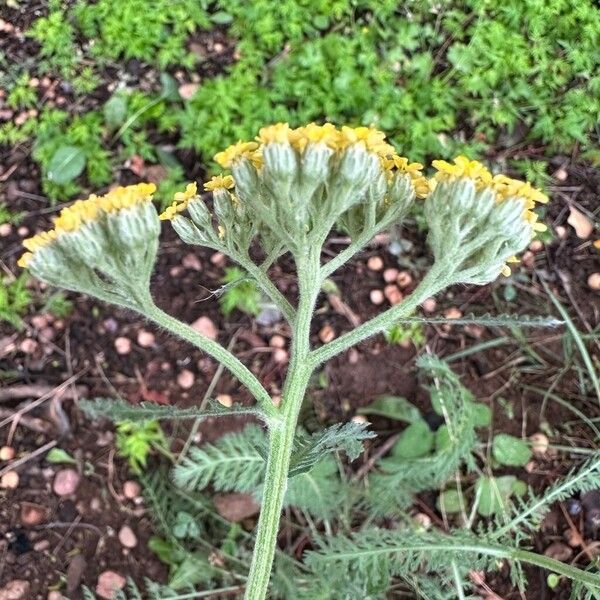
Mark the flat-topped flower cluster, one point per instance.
(72, 217)
(290, 186)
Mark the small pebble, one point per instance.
(191, 261)
(10, 480)
(127, 537)
(111, 325)
(123, 345)
(109, 584)
(422, 520)
(404, 279)
(23, 231)
(66, 482)
(5, 229)
(218, 259)
(539, 444)
(393, 294)
(7, 453)
(376, 297)
(206, 327)
(593, 281)
(375, 263)
(561, 174)
(390, 275)
(561, 232)
(18, 589)
(277, 341)
(54, 595)
(536, 246)
(452, 313)
(280, 356)
(360, 419)
(145, 338)
(41, 546)
(28, 346)
(32, 514)
(40, 321)
(429, 305)
(528, 259)
(225, 400)
(131, 489)
(186, 379)
(327, 334)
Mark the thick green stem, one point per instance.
(282, 430)
(214, 349)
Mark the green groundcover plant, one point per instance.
(283, 195)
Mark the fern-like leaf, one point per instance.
(309, 449)
(117, 409)
(233, 463)
(488, 320)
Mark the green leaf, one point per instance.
(450, 501)
(482, 414)
(185, 526)
(58, 456)
(194, 569)
(118, 409)
(519, 488)
(511, 451)
(66, 164)
(494, 493)
(346, 437)
(442, 439)
(393, 407)
(221, 18)
(415, 441)
(115, 111)
(169, 87)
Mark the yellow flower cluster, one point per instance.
(336, 139)
(236, 151)
(180, 202)
(413, 170)
(504, 187)
(83, 211)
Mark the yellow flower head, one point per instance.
(279, 133)
(462, 167)
(237, 151)
(327, 134)
(413, 170)
(371, 138)
(74, 216)
(219, 182)
(180, 202)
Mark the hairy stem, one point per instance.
(214, 349)
(268, 287)
(435, 281)
(282, 431)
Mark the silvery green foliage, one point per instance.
(471, 233)
(111, 257)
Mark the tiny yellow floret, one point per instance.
(180, 202)
(237, 151)
(219, 182)
(371, 138)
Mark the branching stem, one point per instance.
(214, 349)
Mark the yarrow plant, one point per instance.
(284, 193)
